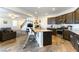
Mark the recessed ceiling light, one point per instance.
(12, 15)
(53, 9)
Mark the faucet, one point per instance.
(69, 27)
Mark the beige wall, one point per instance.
(43, 22)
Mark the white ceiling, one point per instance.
(4, 13)
(43, 11)
(34, 11)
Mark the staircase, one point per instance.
(23, 23)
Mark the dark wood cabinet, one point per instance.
(74, 38)
(51, 20)
(57, 20)
(77, 16)
(66, 34)
(69, 18)
(65, 19)
(61, 19)
(74, 17)
(47, 38)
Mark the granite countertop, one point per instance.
(41, 30)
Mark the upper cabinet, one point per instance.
(51, 20)
(69, 18)
(63, 18)
(56, 20)
(77, 16)
(60, 19)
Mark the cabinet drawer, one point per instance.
(74, 38)
(47, 38)
(77, 45)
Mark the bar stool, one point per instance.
(29, 34)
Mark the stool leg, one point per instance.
(26, 41)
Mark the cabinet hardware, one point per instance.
(71, 36)
(78, 42)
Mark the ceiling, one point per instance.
(34, 11)
(7, 13)
(44, 11)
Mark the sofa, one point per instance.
(7, 34)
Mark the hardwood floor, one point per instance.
(16, 45)
(58, 45)
(65, 45)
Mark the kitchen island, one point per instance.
(43, 37)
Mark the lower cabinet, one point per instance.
(47, 38)
(66, 34)
(74, 38)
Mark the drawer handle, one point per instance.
(78, 42)
(71, 36)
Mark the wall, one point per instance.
(15, 24)
(74, 26)
(12, 23)
(8, 24)
(29, 20)
(43, 21)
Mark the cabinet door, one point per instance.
(77, 45)
(74, 17)
(77, 16)
(74, 40)
(51, 20)
(60, 19)
(47, 38)
(57, 20)
(69, 18)
(66, 35)
(63, 18)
